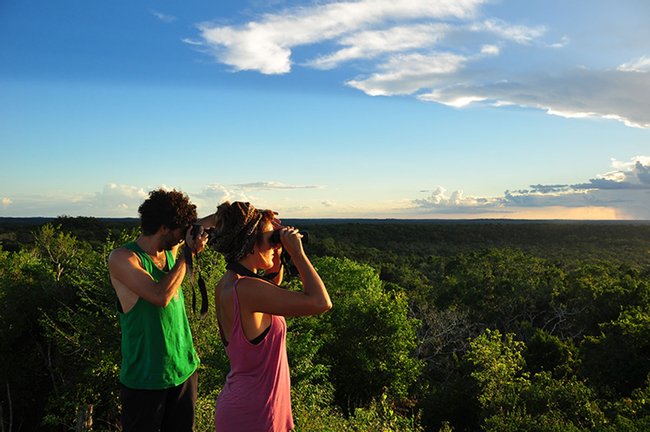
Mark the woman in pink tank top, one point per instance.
(251, 310)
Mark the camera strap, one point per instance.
(189, 262)
(243, 271)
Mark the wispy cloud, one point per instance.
(626, 190)
(6, 202)
(517, 33)
(192, 42)
(408, 73)
(373, 43)
(271, 186)
(266, 45)
(436, 52)
(212, 195)
(163, 17)
(579, 93)
(639, 65)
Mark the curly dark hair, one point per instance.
(239, 227)
(169, 208)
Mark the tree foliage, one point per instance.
(369, 335)
(463, 327)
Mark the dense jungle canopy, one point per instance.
(436, 326)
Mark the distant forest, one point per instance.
(376, 239)
(437, 326)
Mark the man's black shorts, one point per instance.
(170, 409)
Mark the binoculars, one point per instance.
(275, 237)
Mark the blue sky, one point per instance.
(368, 108)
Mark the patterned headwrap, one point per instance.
(236, 243)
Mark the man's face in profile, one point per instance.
(174, 237)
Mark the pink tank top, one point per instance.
(257, 393)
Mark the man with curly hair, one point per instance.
(159, 364)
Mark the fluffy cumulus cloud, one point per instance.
(440, 201)
(117, 199)
(212, 195)
(625, 191)
(440, 51)
(6, 202)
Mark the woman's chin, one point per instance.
(266, 266)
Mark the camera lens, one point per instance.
(197, 230)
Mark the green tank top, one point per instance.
(157, 348)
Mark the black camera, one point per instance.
(196, 231)
(275, 237)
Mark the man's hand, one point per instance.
(196, 238)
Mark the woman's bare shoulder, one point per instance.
(250, 285)
(226, 283)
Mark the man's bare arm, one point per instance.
(126, 272)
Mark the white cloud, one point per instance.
(408, 73)
(440, 200)
(257, 193)
(123, 191)
(634, 174)
(266, 45)
(581, 93)
(443, 51)
(116, 199)
(120, 200)
(564, 41)
(516, 33)
(640, 65)
(271, 186)
(163, 17)
(625, 191)
(629, 165)
(217, 190)
(490, 50)
(193, 42)
(212, 195)
(457, 101)
(372, 43)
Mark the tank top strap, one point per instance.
(235, 297)
(236, 323)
